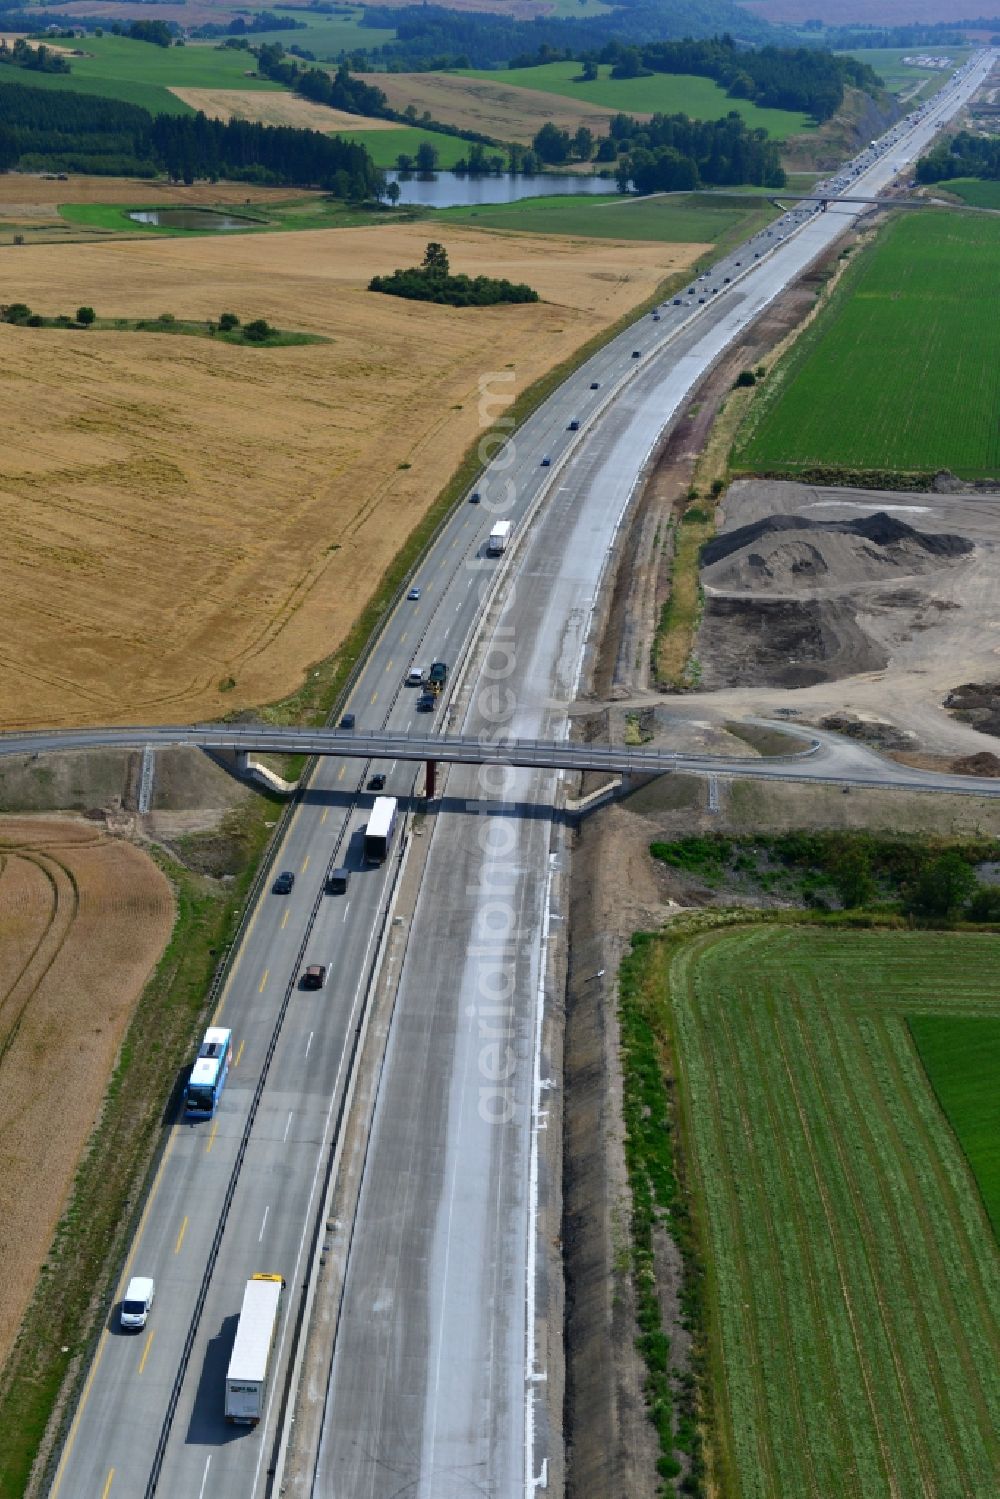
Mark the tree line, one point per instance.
(965, 155)
(799, 78)
(45, 130)
(32, 59)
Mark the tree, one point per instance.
(583, 143)
(85, 316)
(852, 878)
(940, 889)
(228, 321)
(589, 74)
(258, 330)
(427, 157)
(435, 261)
(404, 162)
(392, 191)
(552, 144)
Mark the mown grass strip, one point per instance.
(962, 1060)
(62, 1324)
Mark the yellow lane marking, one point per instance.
(211, 1138)
(180, 1236)
(340, 772)
(388, 666)
(145, 1351)
(374, 696)
(284, 921)
(305, 863)
(326, 813)
(107, 1486)
(239, 1054)
(403, 636)
(260, 987)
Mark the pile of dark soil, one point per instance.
(876, 732)
(791, 553)
(982, 764)
(978, 704)
(783, 642)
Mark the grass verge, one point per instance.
(274, 338)
(77, 1282)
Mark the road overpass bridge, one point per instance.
(818, 755)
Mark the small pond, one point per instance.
(189, 218)
(454, 189)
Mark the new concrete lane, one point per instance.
(459, 1314)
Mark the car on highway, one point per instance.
(595, 384)
(136, 1302)
(475, 497)
(283, 884)
(677, 301)
(546, 461)
(376, 782)
(313, 977)
(701, 300)
(414, 594)
(415, 677)
(348, 721)
(337, 881)
(574, 426)
(656, 317)
(426, 702)
(438, 674)
(636, 353)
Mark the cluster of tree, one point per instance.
(964, 155)
(262, 20)
(671, 153)
(862, 38)
(430, 37)
(432, 281)
(51, 129)
(339, 92)
(22, 316)
(802, 78)
(156, 32)
(33, 59)
(554, 146)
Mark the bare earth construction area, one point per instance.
(195, 524)
(878, 604)
(83, 919)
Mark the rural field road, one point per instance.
(437, 1388)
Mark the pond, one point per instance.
(453, 190)
(189, 218)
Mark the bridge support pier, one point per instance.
(430, 780)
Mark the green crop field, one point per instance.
(664, 93)
(975, 191)
(897, 75)
(386, 145)
(686, 218)
(962, 1060)
(901, 370)
(326, 36)
(143, 74)
(853, 1275)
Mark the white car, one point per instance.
(415, 676)
(137, 1301)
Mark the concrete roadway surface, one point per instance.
(429, 1383)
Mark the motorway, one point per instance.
(437, 1388)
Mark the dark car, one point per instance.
(314, 976)
(348, 721)
(438, 674)
(283, 884)
(701, 299)
(376, 783)
(426, 702)
(636, 353)
(656, 317)
(475, 497)
(726, 278)
(595, 384)
(677, 301)
(337, 881)
(574, 426)
(546, 461)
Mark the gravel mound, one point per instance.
(792, 553)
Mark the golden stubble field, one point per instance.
(181, 516)
(493, 108)
(267, 108)
(83, 920)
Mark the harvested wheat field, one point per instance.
(497, 109)
(188, 525)
(276, 109)
(25, 198)
(83, 920)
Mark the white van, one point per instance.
(415, 676)
(137, 1301)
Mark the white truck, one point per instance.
(498, 538)
(250, 1363)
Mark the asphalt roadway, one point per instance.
(436, 1390)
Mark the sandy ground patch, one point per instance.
(873, 603)
(83, 919)
(497, 109)
(178, 514)
(275, 109)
